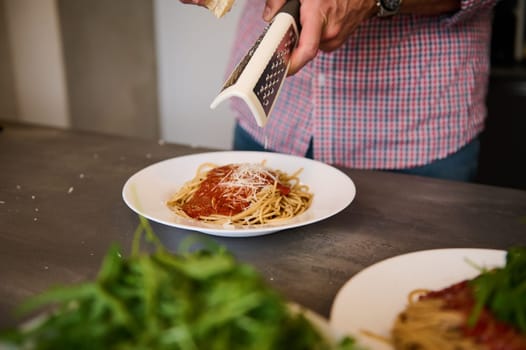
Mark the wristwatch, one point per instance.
(388, 8)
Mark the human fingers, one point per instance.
(326, 26)
(312, 24)
(343, 19)
(271, 8)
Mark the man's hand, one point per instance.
(326, 25)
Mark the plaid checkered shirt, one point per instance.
(401, 92)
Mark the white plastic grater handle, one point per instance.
(243, 87)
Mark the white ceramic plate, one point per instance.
(147, 191)
(372, 299)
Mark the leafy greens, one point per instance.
(503, 290)
(196, 299)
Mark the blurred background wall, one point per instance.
(192, 53)
(151, 68)
(33, 63)
(146, 68)
(110, 65)
(8, 108)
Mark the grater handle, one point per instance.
(292, 7)
(259, 76)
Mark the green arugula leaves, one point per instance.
(503, 291)
(195, 299)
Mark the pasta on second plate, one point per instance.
(487, 312)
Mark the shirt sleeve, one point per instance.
(468, 9)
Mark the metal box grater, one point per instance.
(258, 77)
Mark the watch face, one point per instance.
(391, 5)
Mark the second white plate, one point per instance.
(147, 191)
(373, 298)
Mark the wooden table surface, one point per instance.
(61, 208)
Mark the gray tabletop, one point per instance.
(61, 209)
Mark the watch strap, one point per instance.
(388, 11)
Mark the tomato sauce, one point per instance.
(228, 190)
(488, 331)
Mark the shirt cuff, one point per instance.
(468, 9)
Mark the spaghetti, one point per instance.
(427, 324)
(439, 320)
(241, 194)
(487, 312)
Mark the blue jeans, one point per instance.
(460, 166)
